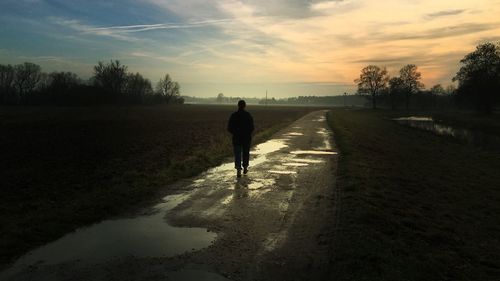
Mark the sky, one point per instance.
(243, 48)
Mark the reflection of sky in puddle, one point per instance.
(282, 172)
(322, 131)
(313, 152)
(311, 161)
(428, 124)
(415, 118)
(226, 171)
(269, 146)
(320, 119)
(326, 139)
(292, 164)
(294, 134)
(143, 236)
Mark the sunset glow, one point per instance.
(242, 48)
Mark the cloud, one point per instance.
(124, 32)
(447, 31)
(88, 29)
(381, 36)
(146, 27)
(445, 13)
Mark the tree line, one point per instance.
(111, 83)
(478, 84)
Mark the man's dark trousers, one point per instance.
(241, 151)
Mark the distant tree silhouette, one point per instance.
(169, 90)
(221, 98)
(137, 88)
(479, 77)
(438, 90)
(61, 87)
(450, 89)
(111, 77)
(372, 81)
(111, 83)
(410, 78)
(26, 79)
(7, 90)
(63, 81)
(395, 90)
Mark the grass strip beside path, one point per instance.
(415, 206)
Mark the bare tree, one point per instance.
(372, 81)
(395, 90)
(479, 77)
(27, 76)
(62, 81)
(168, 89)
(112, 77)
(410, 78)
(6, 82)
(137, 87)
(438, 90)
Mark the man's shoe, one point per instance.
(238, 173)
(245, 170)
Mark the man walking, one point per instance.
(240, 125)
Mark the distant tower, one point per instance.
(345, 96)
(266, 97)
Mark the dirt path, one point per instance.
(276, 223)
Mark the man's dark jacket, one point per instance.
(241, 126)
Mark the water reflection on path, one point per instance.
(429, 124)
(147, 235)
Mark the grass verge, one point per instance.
(415, 206)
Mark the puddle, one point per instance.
(294, 134)
(313, 152)
(222, 173)
(320, 119)
(269, 147)
(326, 139)
(296, 164)
(322, 131)
(282, 172)
(429, 124)
(310, 161)
(144, 236)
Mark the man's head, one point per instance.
(241, 104)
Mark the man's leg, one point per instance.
(237, 156)
(246, 156)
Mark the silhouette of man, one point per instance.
(240, 125)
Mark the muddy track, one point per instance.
(275, 223)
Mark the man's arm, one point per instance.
(230, 124)
(251, 124)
